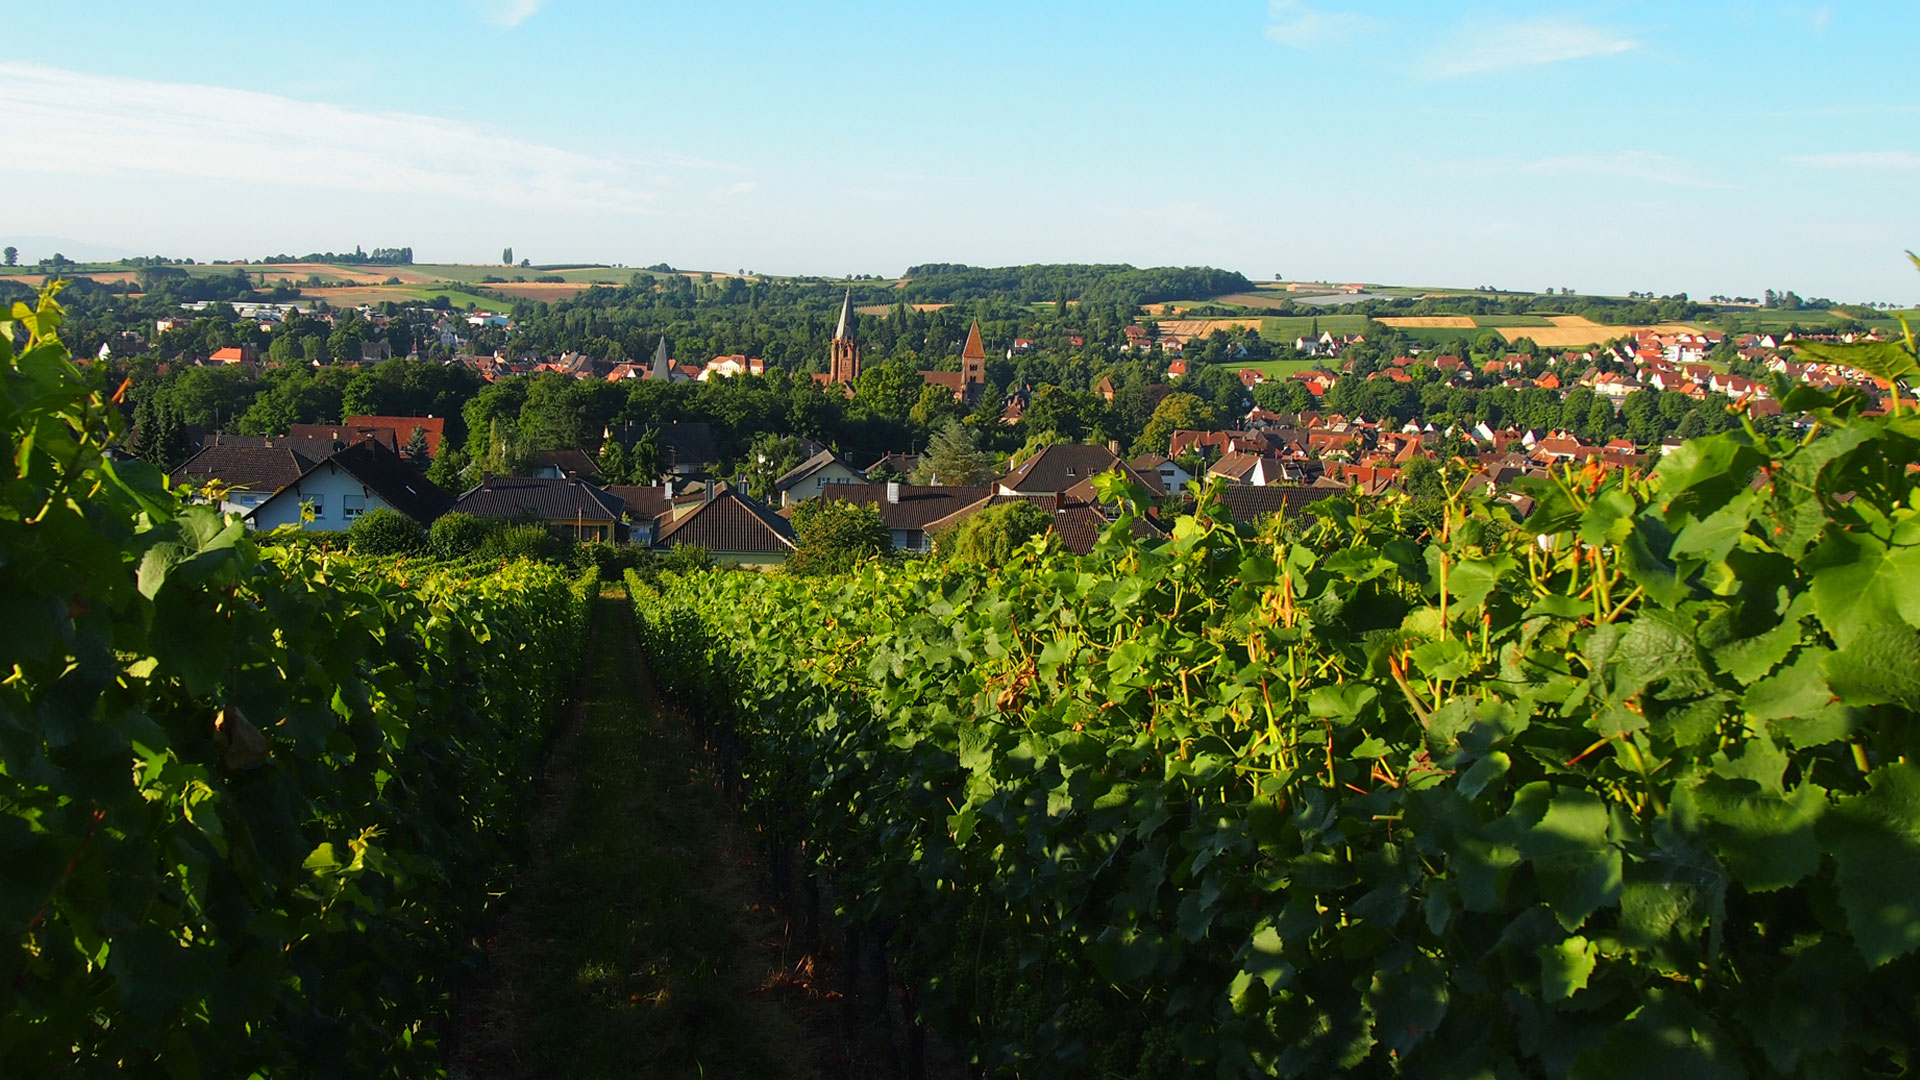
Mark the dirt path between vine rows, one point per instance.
(638, 941)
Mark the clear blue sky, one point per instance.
(1711, 147)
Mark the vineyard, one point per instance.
(1627, 789)
(251, 804)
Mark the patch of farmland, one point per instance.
(1192, 328)
(1457, 322)
(1573, 331)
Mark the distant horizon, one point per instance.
(1705, 147)
(107, 253)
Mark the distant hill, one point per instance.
(1110, 283)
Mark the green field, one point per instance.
(1765, 320)
(1276, 369)
(1293, 326)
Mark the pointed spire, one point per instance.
(848, 324)
(661, 368)
(974, 350)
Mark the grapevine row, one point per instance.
(252, 805)
(1626, 789)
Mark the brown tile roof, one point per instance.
(1246, 504)
(1061, 466)
(543, 498)
(732, 522)
(568, 460)
(402, 427)
(246, 467)
(643, 502)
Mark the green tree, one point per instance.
(1421, 479)
(13, 255)
(506, 257)
(954, 457)
(833, 536)
(613, 462)
(416, 448)
(989, 537)
(456, 534)
(1176, 412)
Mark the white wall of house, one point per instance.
(336, 496)
(813, 486)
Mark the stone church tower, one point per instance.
(843, 362)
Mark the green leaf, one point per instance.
(1859, 580)
(1880, 665)
(1791, 691)
(1265, 958)
(1487, 770)
(1881, 359)
(1875, 840)
(1564, 968)
(1766, 840)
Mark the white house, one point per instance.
(364, 476)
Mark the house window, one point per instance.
(352, 506)
(318, 504)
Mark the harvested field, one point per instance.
(1572, 331)
(1190, 328)
(540, 290)
(104, 277)
(883, 309)
(1453, 322)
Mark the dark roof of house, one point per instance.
(732, 522)
(1247, 504)
(396, 480)
(1079, 527)
(319, 440)
(567, 460)
(1063, 465)
(918, 503)
(1049, 503)
(544, 498)
(687, 442)
(899, 461)
(245, 466)
(643, 502)
(809, 467)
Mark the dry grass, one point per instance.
(1450, 322)
(885, 309)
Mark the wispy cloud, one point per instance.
(1294, 24)
(507, 13)
(742, 187)
(1629, 165)
(109, 126)
(1904, 160)
(1475, 48)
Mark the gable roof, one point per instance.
(799, 473)
(731, 522)
(1060, 466)
(688, 442)
(918, 504)
(545, 498)
(394, 479)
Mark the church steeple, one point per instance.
(973, 364)
(849, 325)
(843, 355)
(662, 367)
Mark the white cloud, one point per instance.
(92, 125)
(741, 188)
(1294, 24)
(1476, 48)
(508, 13)
(1630, 165)
(1865, 159)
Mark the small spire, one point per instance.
(660, 368)
(848, 324)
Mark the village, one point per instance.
(1267, 462)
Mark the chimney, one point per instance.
(572, 477)
(706, 492)
(669, 491)
(1113, 447)
(893, 491)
